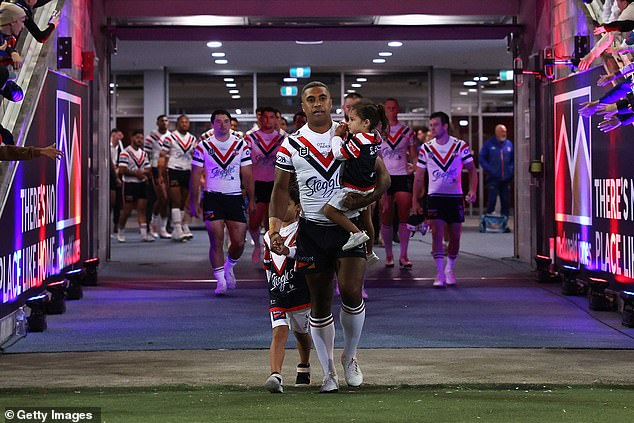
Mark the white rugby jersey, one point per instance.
(444, 165)
(222, 161)
(115, 151)
(153, 144)
(309, 155)
(180, 149)
(264, 148)
(210, 133)
(134, 160)
(395, 148)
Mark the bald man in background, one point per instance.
(497, 159)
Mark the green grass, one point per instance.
(369, 404)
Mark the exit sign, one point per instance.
(300, 72)
(506, 75)
(288, 91)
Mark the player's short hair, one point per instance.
(268, 109)
(296, 115)
(114, 130)
(234, 120)
(391, 99)
(159, 117)
(182, 117)
(136, 131)
(219, 112)
(353, 96)
(313, 84)
(444, 118)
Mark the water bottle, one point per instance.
(20, 322)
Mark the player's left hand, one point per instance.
(470, 197)
(251, 207)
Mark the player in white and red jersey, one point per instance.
(359, 151)
(134, 168)
(442, 160)
(289, 300)
(399, 155)
(264, 144)
(153, 146)
(307, 154)
(176, 155)
(226, 162)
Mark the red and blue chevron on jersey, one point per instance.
(133, 160)
(179, 149)
(309, 155)
(222, 161)
(264, 148)
(444, 163)
(396, 147)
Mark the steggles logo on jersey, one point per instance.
(322, 187)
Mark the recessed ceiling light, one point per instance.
(235, 97)
(378, 60)
(234, 91)
(218, 54)
(394, 44)
(494, 82)
(385, 53)
(214, 44)
(338, 111)
(476, 78)
(309, 43)
(228, 79)
(238, 111)
(355, 85)
(470, 83)
(464, 123)
(221, 61)
(289, 79)
(473, 90)
(464, 93)
(362, 79)
(351, 91)
(231, 85)
(484, 78)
